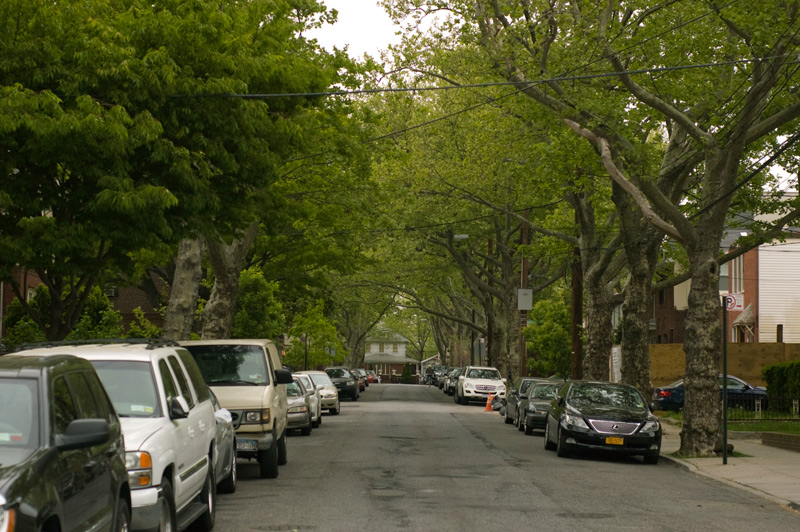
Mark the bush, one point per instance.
(783, 383)
(405, 377)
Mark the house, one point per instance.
(27, 281)
(385, 353)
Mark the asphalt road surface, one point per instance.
(407, 458)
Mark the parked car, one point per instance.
(299, 408)
(478, 383)
(346, 383)
(62, 454)
(511, 414)
(248, 378)
(373, 376)
(362, 374)
(602, 416)
(314, 398)
(451, 379)
(225, 457)
(169, 428)
(329, 395)
(740, 395)
(533, 409)
(360, 379)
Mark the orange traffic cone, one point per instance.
(489, 403)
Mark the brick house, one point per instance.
(386, 353)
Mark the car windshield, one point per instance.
(544, 391)
(19, 413)
(477, 373)
(524, 386)
(293, 390)
(605, 395)
(319, 378)
(231, 365)
(337, 373)
(131, 387)
(305, 381)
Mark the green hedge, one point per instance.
(783, 383)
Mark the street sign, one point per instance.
(734, 302)
(524, 299)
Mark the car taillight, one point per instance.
(664, 393)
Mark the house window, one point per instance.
(380, 347)
(737, 275)
(394, 347)
(30, 295)
(724, 280)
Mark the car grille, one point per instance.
(485, 387)
(613, 427)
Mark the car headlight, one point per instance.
(350, 383)
(469, 386)
(650, 426)
(140, 469)
(256, 416)
(298, 409)
(574, 421)
(501, 388)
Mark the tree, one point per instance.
(314, 340)
(258, 311)
(683, 184)
(548, 338)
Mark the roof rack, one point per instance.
(151, 343)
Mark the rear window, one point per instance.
(131, 387)
(231, 365)
(319, 378)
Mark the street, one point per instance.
(405, 457)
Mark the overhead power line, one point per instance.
(653, 70)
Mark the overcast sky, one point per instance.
(363, 25)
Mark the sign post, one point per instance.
(727, 302)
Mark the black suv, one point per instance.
(346, 383)
(62, 456)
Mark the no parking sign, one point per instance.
(734, 302)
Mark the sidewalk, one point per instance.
(766, 471)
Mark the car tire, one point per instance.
(527, 428)
(548, 445)
(519, 422)
(167, 522)
(268, 462)
(507, 419)
(455, 398)
(306, 431)
(354, 397)
(122, 516)
(282, 453)
(229, 484)
(205, 523)
(561, 446)
(651, 459)
(334, 411)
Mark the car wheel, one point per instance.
(122, 516)
(268, 462)
(167, 521)
(282, 454)
(507, 419)
(561, 446)
(519, 422)
(306, 431)
(547, 443)
(209, 498)
(527, 428)
(334, 411)
(355, 396)
(229, 484)
(455, 398)
(651, 458)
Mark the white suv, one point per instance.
(478, 383)
(169, 428)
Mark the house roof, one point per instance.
(386, 336)
(747, 317)
(388, 358)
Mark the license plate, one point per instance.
(611, 440)
(246, 445)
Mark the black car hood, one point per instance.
(611, 413)
(17, 467)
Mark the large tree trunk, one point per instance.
(635, 328)
(183, 292)
(599, 333)
(227, 261)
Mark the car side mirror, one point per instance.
(82, 433)
(283, 376)
(178, 408)
(514, 392)
(652, 406)
(560, 400)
